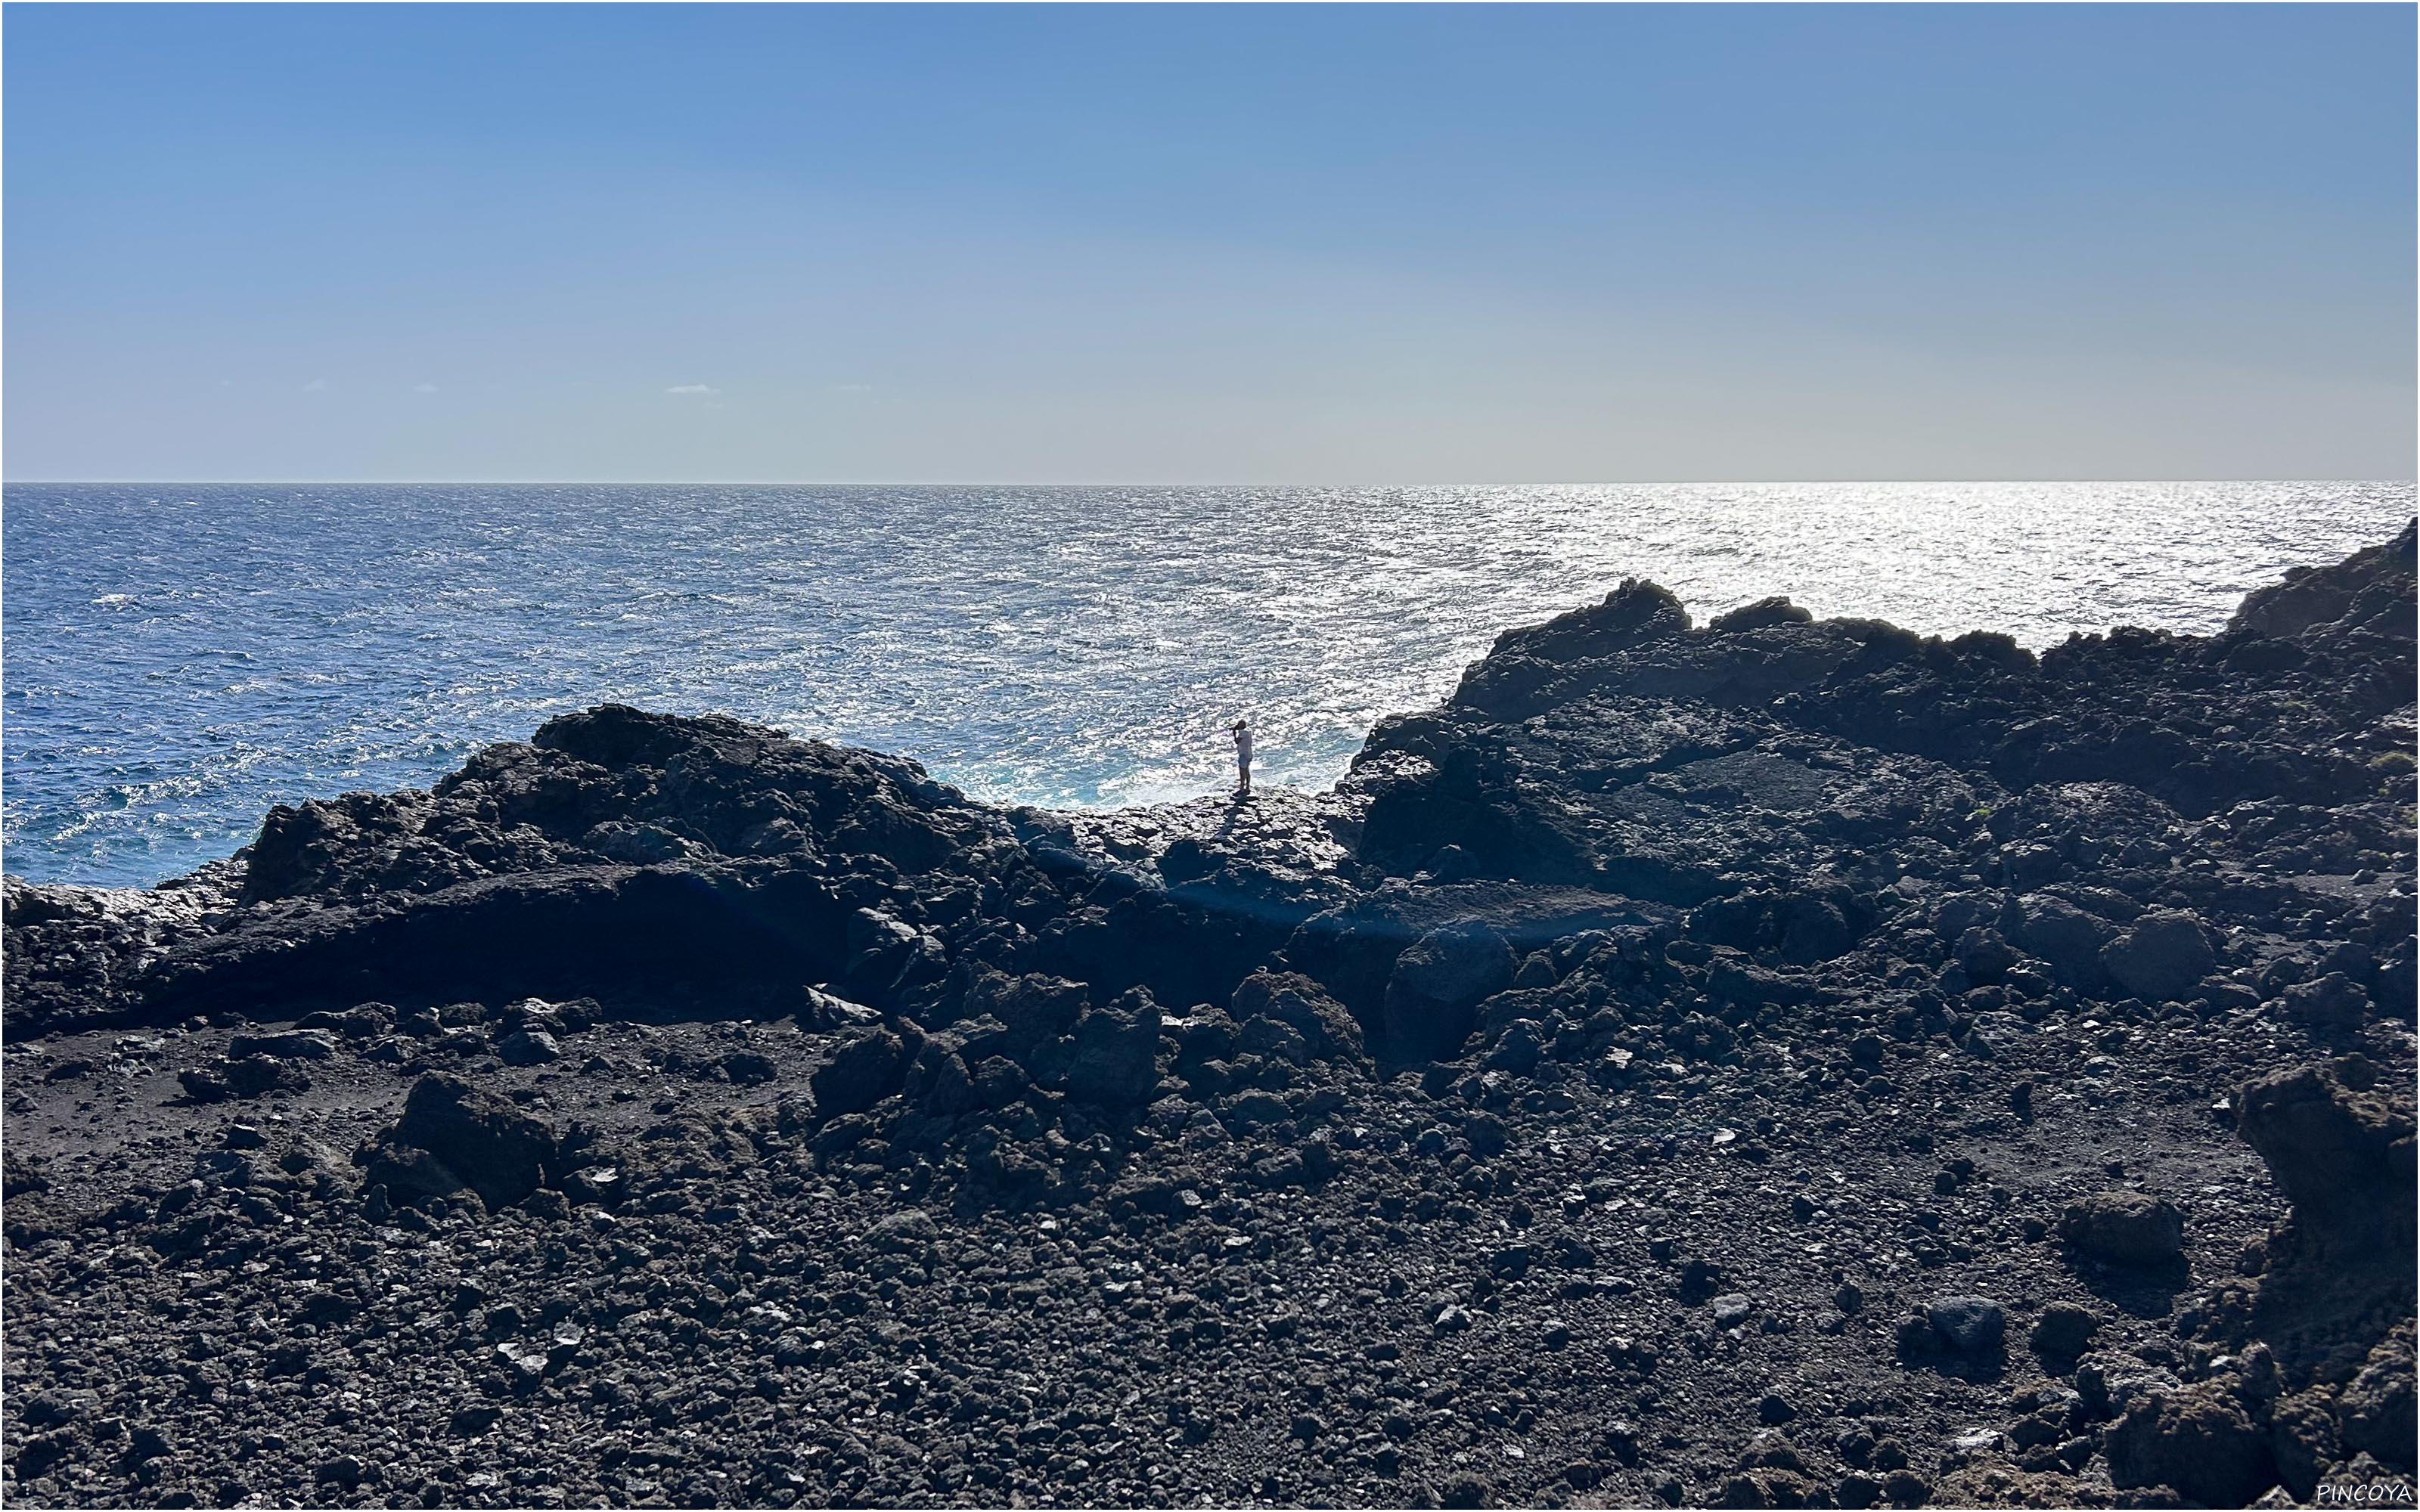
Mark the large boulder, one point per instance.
(866, 1069)
(2334, 1003)
(1031, 1010)
(2126, 1229)
(2198, 1440)
(454, 1138)
(293, 1045)
(2164, 956)
(2063, 934)
(2377, 1403)
(1112, 1058)
(1975, 1326)
(2062, 1333)
(243, 1076)
(2339, 1140)
(1436, 985)
(1327, 1032)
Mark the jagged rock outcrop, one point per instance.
(2339, 1139)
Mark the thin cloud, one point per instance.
(693, 388)
(423, 388)
(314, 386)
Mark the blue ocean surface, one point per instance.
(177, 659)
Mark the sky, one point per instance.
(1191, 245)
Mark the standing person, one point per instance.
(1243, 733)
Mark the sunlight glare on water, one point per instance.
(178, 659)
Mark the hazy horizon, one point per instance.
(1117, 482)
(1196, 246)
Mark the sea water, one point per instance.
(177, 659)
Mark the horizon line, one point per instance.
(1133, 483)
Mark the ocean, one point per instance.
(178, 658)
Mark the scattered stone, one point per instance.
(1967, 1325)
(2062, 1333)
(299, 1044)
(528, 1047)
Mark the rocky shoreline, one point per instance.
(1783, 1062)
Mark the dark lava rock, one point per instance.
(470, 1421)
(1113, 1055)
(2124, 1228)
(2376, 1410)
(911, 1233)
(1968, 1325)
(2334, 1003)
(2199, 1441)
(861, 1074)
(2338, 1138)
(1328, 1031)
(1435, 985)
(259, 1075)
(453, 1136)
(298, 1045)
(203, 1085)
(748, 1069)
(528, 1047)
(248, 1076)
(2062, 1333)
(2166, 955)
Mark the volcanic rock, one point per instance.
(1112, 1052)
(1969, 1325)
(2124, 1228)
(1435, 985)
(455, 1137)
(2199, 1441)
(2164, 955)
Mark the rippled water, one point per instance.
(178, 659)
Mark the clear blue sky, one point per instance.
(1105, 243)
